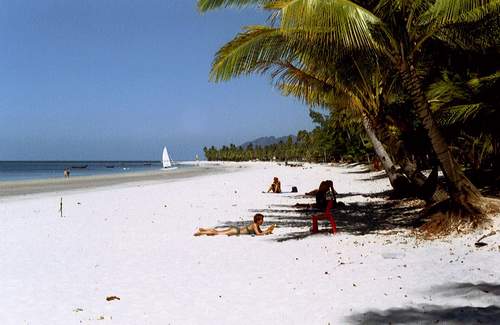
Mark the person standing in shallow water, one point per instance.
(275, 186)
(251, 229)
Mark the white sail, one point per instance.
(166, 158)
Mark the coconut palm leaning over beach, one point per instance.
(395, 32)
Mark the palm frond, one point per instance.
(337, 25)
(293, 81)
(257, 48)
(487, 147)
(491, 81)
(251, 51)
(444, 91)
(417, 9)
(206, 5)
(445, 12)
(314, 91)
(387, 8)
(459, 113)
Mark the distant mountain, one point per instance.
(265, 141)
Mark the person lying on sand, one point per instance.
(251, 229)
(275, 186)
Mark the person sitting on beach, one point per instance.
(275, 186)
(251, 229)
(321, 195)
(325, 187)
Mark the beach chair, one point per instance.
(327, 215)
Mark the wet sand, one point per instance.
(17, 188)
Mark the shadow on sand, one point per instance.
(435, 314)
(375, 177)
(469, 290)
(365, 170)
(431, 314)
(355, 218)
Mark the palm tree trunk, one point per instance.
(460, 188)
(426, 188)
(398, 181)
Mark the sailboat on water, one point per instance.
(165, 160)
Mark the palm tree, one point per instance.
(262, 49)
(396, 30)
(360, 96)
(319, 82)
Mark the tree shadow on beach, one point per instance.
(359, 218)
(375, 177)
(430, 314)
(433, 314)
(466, 289)
(355, 218)
(362, 171)
(379, 195)
(349, 165)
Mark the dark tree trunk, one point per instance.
(398, 181)
(462, 192)
(426, 188)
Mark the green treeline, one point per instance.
(327, 142)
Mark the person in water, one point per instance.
(251, 229)
(275, 186)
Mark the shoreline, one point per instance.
(49, 185)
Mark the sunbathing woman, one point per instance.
(251, 229)
(275, 186)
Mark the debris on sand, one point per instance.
(110, 298)
(479, 243)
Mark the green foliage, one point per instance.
(205, 5)
(332, 140)
(467, 110)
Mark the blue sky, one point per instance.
(109, 79)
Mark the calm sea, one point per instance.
(29, 170)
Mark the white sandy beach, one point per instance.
(135, 241)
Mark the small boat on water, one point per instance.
(112, 166)
(165, 160)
